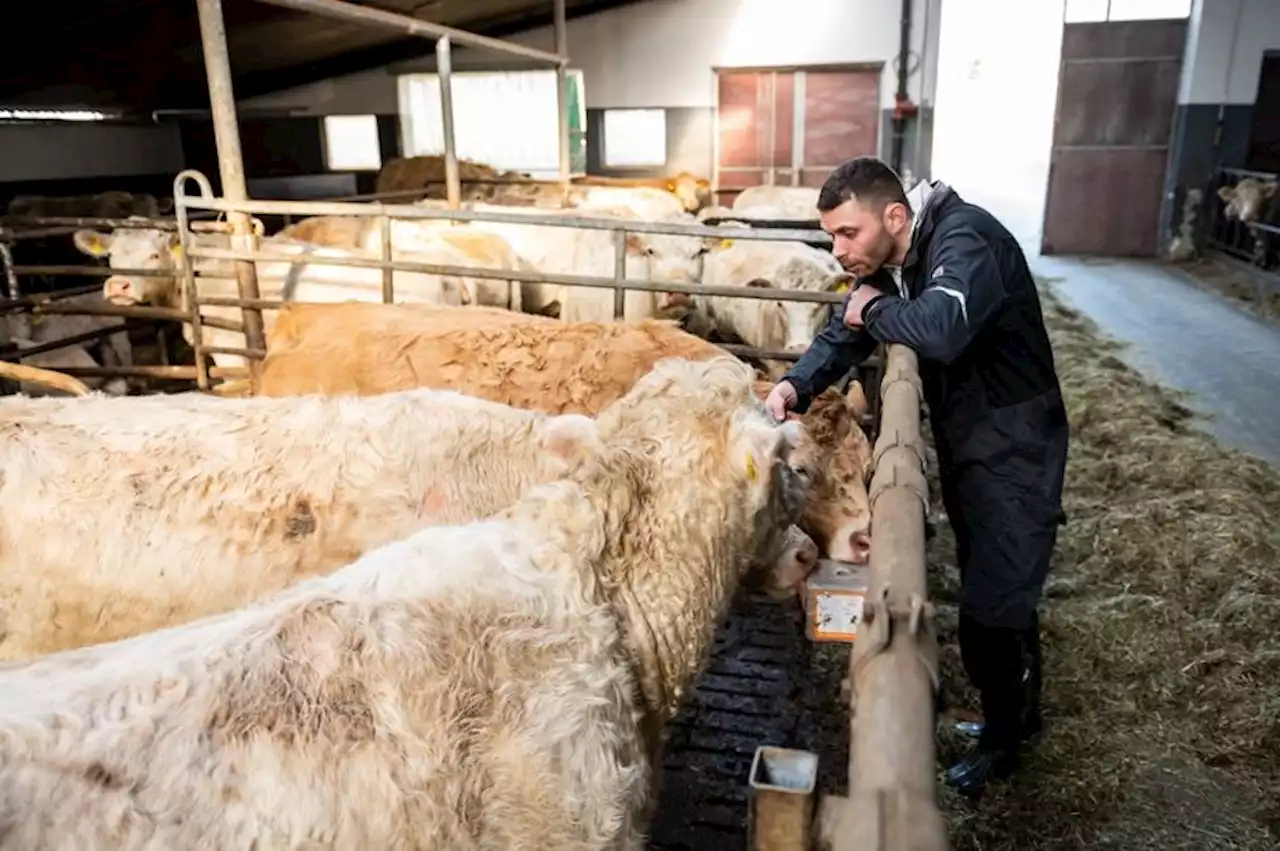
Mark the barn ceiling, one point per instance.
(141, 55)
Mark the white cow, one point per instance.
(31, 329)
(502, 684)
(202, 504)
(777, 202)
(301, 280)
(579, 251)
(764, 323)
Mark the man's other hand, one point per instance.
(858, 300)
(780, 400)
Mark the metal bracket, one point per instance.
(892, 440)
(891, 476)
(878, 617)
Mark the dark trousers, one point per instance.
(1002, 489)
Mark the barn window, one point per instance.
(635, 138)
(351, 143)
(1084, 11)
(506, 119)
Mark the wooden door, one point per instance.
(792, 126)
(1117, 92)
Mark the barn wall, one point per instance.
(1222, 68)
(38, 157)
(661, 54)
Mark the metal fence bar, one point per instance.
(190, 299)
(619, 273)
(894, 664)
(444, 74)
(409, 211)
(413, 26)
(226, 131)
(388, 274)
(562, 93)
(770, 293)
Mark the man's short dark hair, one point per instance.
(870, 179)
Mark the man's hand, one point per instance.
(861, 296)
(781, 399)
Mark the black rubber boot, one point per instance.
(1004, 665)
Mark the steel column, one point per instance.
(562, 95)
(444, 72)
(226, 132)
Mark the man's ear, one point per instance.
(569, 436)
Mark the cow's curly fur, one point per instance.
(496, 685)
(124, 515)
(557, 367)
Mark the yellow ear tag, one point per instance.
(725, 243)
(176, 251)
(843, 288)
(752, 471)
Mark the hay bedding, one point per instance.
(1161, 633)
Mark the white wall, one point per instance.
(661, 53)
(1224, 49)
(78, 150)
(993, 124)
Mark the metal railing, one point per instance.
(17, 228)
(1254, 243)
(386, 213)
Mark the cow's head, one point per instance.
(835, 461)
(135, 248)
(1245, 200)
(693, 192)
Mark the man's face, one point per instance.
(864, 239)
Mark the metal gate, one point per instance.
(1117, 91)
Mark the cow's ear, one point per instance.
(840, 283)
(92, 242)
(855, 399)
(1226, 193)
(569, 437)
(759, 444)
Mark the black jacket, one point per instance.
(969, 308)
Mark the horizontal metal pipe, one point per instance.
(410, 211)
(523, 277)
(76, 222)
(769, 354)
(253, 354)
(73, 340)
(171, 372)
(10, 304)
(413, 26)
(92, 271)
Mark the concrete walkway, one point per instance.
(1184, 337)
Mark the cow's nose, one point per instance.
(118, 290)
(807, 556)
(860, 547)
(851, 544)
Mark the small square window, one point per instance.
(351, 143)
(635, 138)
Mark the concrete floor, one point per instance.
(1184, 337)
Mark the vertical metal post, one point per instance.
(444, 70)
(562, 95)
(388, 286)
(226, 133)
(619, 272)
(189, 301)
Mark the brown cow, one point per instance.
(557, 367)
